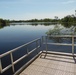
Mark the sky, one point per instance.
(39, 9)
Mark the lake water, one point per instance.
(20, 33)
(16, 35)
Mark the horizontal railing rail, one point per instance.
(45, 38)
(61, 36)
(38, 45)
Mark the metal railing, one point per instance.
(45, 38)
(38, 45)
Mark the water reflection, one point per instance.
(2, 26)
(35, 23)
(68, 25)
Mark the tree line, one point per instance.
(3, 22)
(66, 19)
(69, 18)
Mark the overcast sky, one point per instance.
(30, 9)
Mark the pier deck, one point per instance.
(52, 65)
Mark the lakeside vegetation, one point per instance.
(4, 23)
(67, 21)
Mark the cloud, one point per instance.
(68, 2)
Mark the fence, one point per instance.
(38, 45)
(44, 40)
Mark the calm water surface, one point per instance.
(19, 33)
(16, 35)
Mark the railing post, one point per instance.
(46, 46)
(27, 50)
(73, 44)
(40, 43)
(12, 62)
(42, 39)
(0, 66)
(37, 45)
